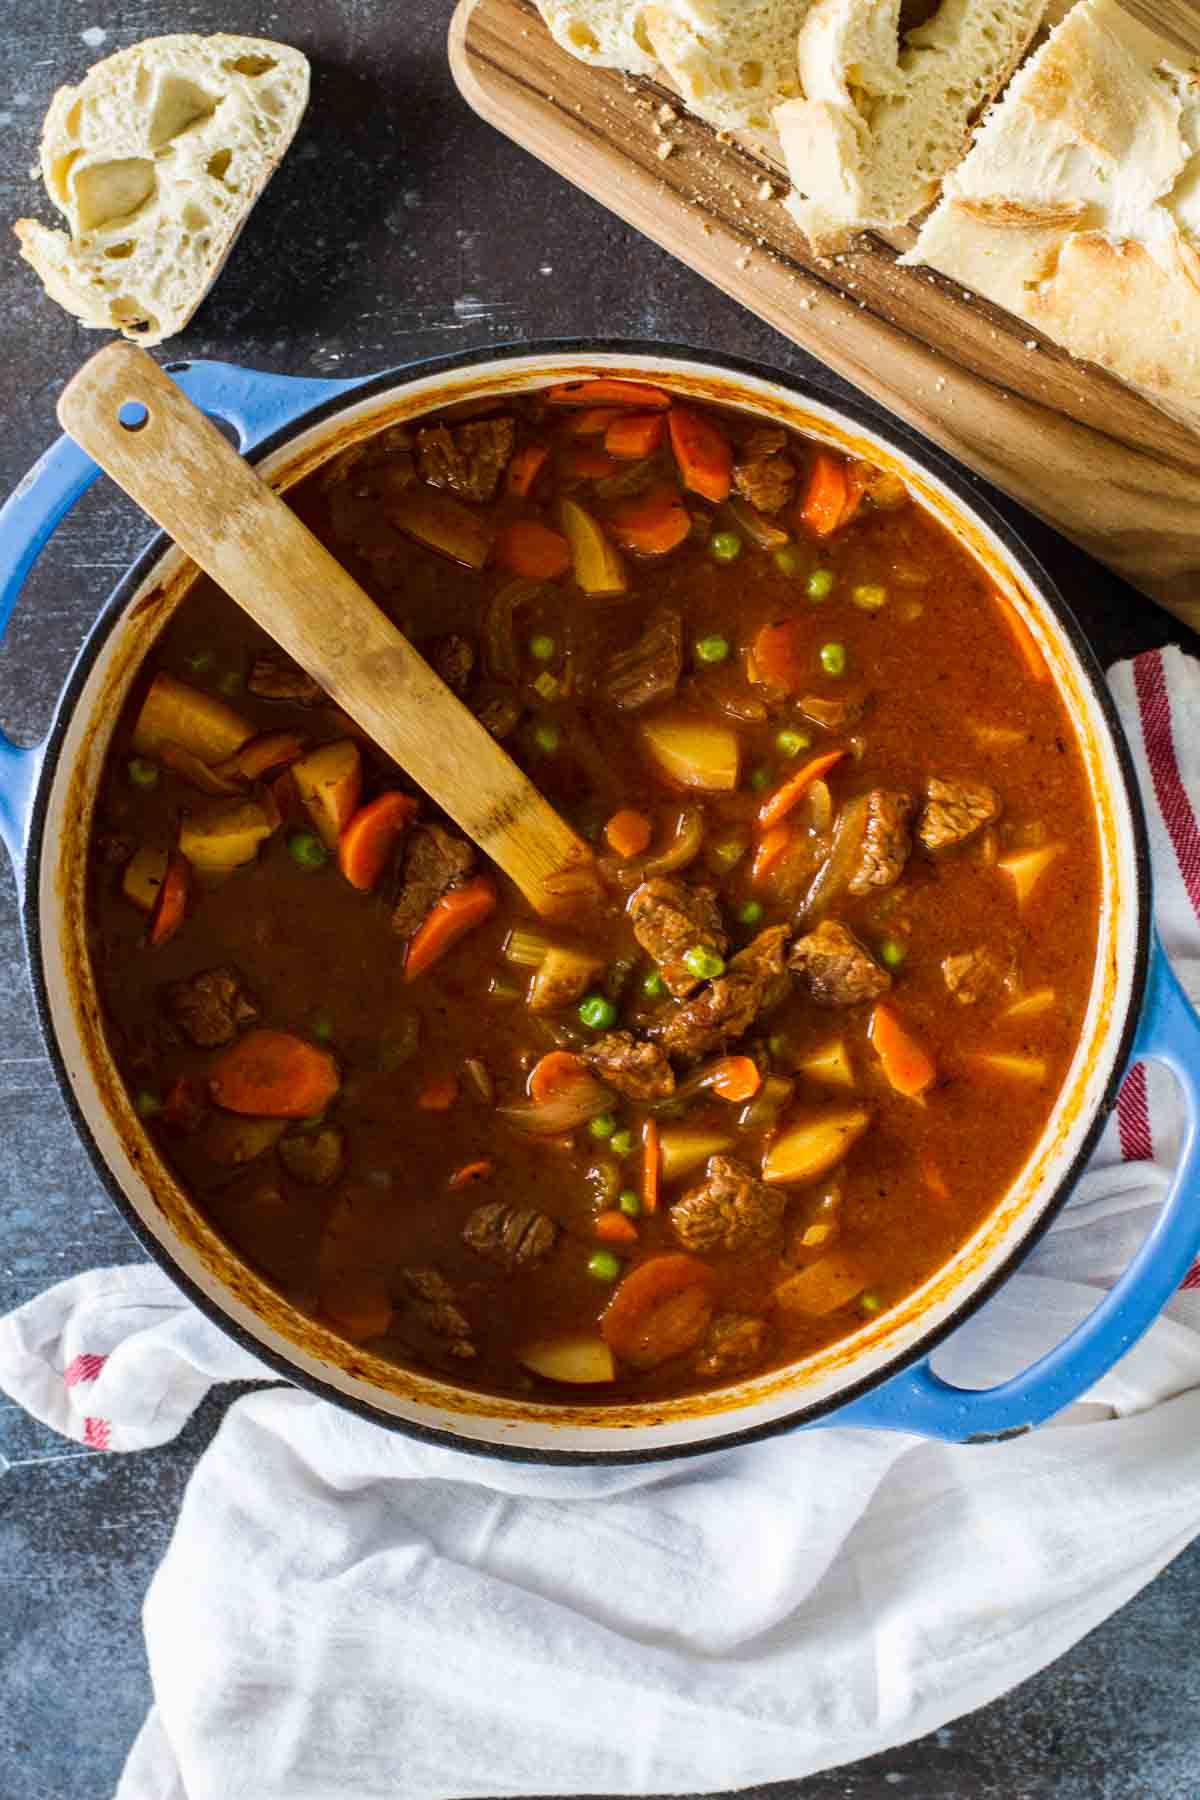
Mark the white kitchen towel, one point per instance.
(344, 1613)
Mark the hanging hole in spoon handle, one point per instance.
(161, 449)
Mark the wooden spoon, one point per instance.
(180, 470)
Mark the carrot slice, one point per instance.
(634, 435)
(781, 802)
(450, 918)
(737, 1078)
(526, 548)
(358, 1312)
(661, 1309)
(556, 1073)
(367, 842)
(1025, 641)
(628, 832)
(171, 905)
(823, 507)
(651, 1166)
(438, 1094)
(771, 847)
(777, 656)
(274, 750)
(525, 468)
(909, 1069)
(704, 456)
(593, 421)
(615, 1228)
(586, 463)
(653, 523)
(273, 1075)
(470, 1173)
(602, 390)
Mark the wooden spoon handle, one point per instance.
(179, 468)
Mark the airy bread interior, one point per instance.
(155, 161)
(887, 111)
(733, 61)
(606, 33)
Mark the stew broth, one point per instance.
(850, 1098)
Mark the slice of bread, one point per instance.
(155, 161)
(606, 33)
(886, 111)
(733, 61)
(1078, 207)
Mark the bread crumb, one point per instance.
(940, 383)
(664, 150)
(667, 113)
(1031, 343)
(766, 189)
(743, 261)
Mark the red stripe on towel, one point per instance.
(96, 1433)
(1150, 684)
(83, 1368)
(1133, 1117)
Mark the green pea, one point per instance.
(819, 585)
(542, 648)
(146, 1103)
(712, 649)
(833, 658)
(869, 596)
(653, 985)
(791, 743)
(321, 1026)
(704, 963)
(760, 778)
(630, 1203)
(603, 1126)
(869, 1302)
(789, 560)
(749, 912)
(141, 772)
(603, 1265)
(621, 1141)
(231, 682)
(597, 1012)
(724, 546)
(201, 661)
(547, 737)
(306, 850)
(892, 953)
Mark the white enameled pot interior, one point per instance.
(239, 1297)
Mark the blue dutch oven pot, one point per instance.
(879, 1378)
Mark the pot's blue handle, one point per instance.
(920, 1401)
(256, 405)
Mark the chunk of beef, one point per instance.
(833, 712)
(733, 1343)
(314, 1158)
(727, 1007)
(835, 968)
(886, 841)
(765, 480)
(453, 658)
(210, 1008)
(275, 676)
(638, 1070)
(973, 975)
(762, 440)
(113, 848)
(954, 811)
(729, 1210)
(514, 1237)
(468, 459)
(648, 670)
(669, 918)
(435, 860)
(433, 1303)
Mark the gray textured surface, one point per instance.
(399, 227)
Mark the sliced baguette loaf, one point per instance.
(1078, 207)
(155, 161)
(885, 112)
(606, 33)
(733, 61)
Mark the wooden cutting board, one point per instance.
(1067, 440)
